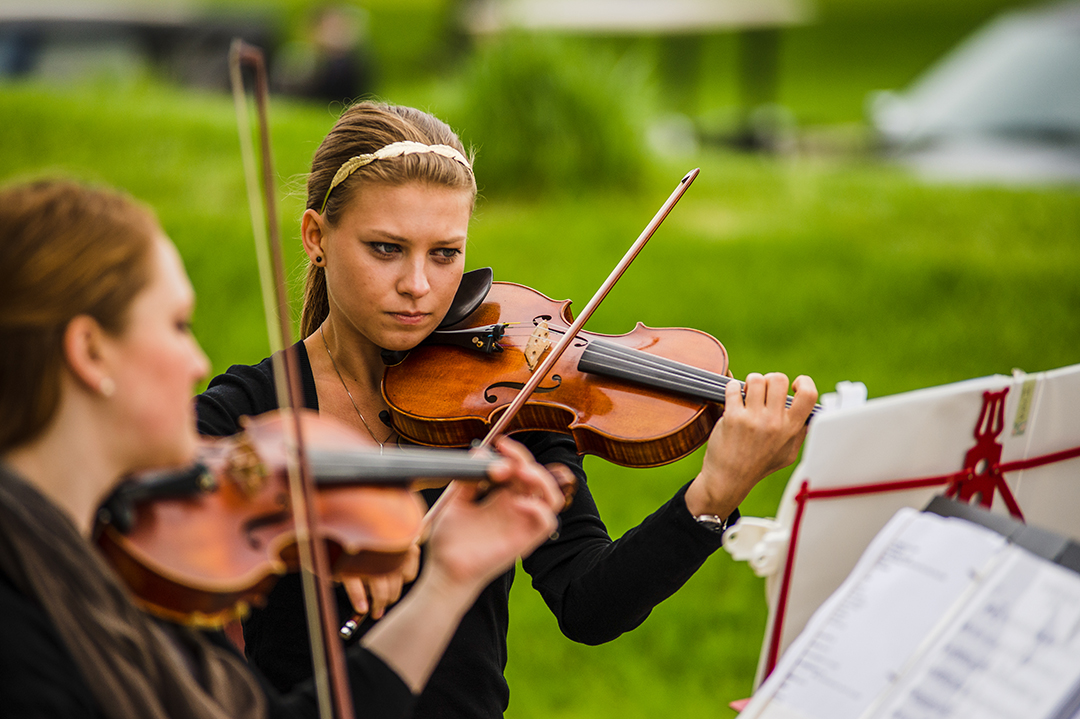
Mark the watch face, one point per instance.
(712, 522)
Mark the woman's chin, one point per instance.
(405, 340)
(180, 453)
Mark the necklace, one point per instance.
(353, 401)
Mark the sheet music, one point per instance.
(1011, 652)
(856, 644)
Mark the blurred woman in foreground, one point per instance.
(97, 368)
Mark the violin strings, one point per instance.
(607, 357)
(612, 359)
(646, 368)
(661, 365)
(679, 377)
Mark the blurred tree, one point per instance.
(549, 115)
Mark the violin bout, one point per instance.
(449, 395)
(201, 546)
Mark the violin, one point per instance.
(201, 545)
(641, 399)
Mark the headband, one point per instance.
(394, 149)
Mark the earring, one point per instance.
(318, 260)
(107, 387)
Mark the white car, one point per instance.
(1004, 106)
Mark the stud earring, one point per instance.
(318, 260)
(107, 387)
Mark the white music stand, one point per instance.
(1011, 443)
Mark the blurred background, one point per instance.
(889, 194)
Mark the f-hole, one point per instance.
(491, 398)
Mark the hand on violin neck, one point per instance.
(471, 543)
(473, 540)
(755, 437)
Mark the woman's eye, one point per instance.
(447, 253)
(183, 326)
(384, 248)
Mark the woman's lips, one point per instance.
(409, 318)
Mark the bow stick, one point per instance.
(557, 351)
(327, 656)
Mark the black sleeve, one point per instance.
(377, 690)
(598, 588)
(38, 675)
(248, 390)
(242, 390)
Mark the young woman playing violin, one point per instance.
(97, 368)
(389, 200)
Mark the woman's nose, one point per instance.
(201, 363)
(414, 280)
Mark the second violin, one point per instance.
(200, 546)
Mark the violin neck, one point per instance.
(395, 467)
(610, 359)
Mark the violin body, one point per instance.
(450, 395)
(205, 553)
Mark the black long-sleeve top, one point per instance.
(40, 679)
(596, 588)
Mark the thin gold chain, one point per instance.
(353, 401)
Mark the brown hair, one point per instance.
(364, 128)
(65, 250)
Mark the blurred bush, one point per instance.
(552, 115)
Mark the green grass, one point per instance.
(833, 266)
(180, 153)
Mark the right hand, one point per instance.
(472, 542)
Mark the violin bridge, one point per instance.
(538, 344)
(245, 468)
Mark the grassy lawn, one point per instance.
(831, 265)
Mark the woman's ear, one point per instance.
(313, 235)
(85, 353)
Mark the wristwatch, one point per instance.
(712, 522)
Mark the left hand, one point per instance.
(754, 438)
(373, 594)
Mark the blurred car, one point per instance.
(1002, 107)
